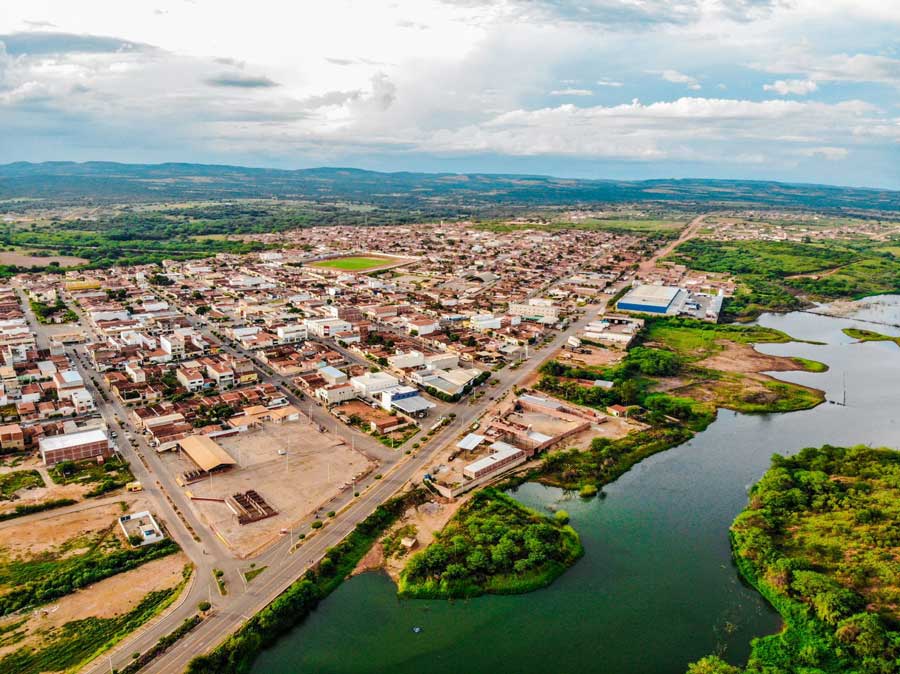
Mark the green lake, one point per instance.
(656, 588)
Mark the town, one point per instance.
(243, 401)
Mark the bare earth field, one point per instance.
(50, 490)
(596, 357)
(744, 359)
(22, 259)
(315, 469)
(106, 599)
(33, 534)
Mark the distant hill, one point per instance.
(109, 181)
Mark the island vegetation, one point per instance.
(870, 336)
(495, 545)
(819, 540)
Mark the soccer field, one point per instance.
(354, 263)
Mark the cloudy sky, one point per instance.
(801, 90)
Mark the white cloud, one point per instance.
(680, 78)
(410, 78)
(837, 67)
(684, 129)
(571, 92)
(825, 152)
(795, 87)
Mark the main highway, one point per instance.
(284, 564)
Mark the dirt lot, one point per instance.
(613, 429)
(22, 259)
(31, 535)
(113, 596)
(595, 357)
(316, 467)
(50, 490)
(543, 423)
(365, 412)
(427, 519)
(744, 359)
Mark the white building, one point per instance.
(288, 334)
(336, 393)
(534, 308)
(372, 383)
(326, 327)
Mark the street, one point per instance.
(283, 566)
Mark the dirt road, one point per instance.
(689, 233)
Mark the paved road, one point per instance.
(278, 577)
(283, 567)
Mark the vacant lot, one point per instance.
(42, 533)
(361, 413)
(22, 259)
(28, 483)
(107, 599)
(314, 468)
(356, 263)
(16, 480)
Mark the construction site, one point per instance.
(249, 486)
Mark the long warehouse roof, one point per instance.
(205, 452)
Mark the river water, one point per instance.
(656, 588)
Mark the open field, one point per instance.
(41, 534)
(18, 480)
(34, 490)
(625, 226)
(23, 259)
(109, 598)
(314, 469)
(722, 367)
(356, 263)
(772, 275)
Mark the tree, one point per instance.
(712, 665)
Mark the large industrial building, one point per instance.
(75, 446)
(650, 299)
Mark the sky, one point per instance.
(794, 90)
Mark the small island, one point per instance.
(496, 545)
(819, 540)
(869, 336)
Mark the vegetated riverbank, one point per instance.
(870, 336)
(781, 275)
(819, 541)
(237, 653)
(681, 374)
(494, 545)
(709, 366)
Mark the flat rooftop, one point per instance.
(55, 442)
(649, 296)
